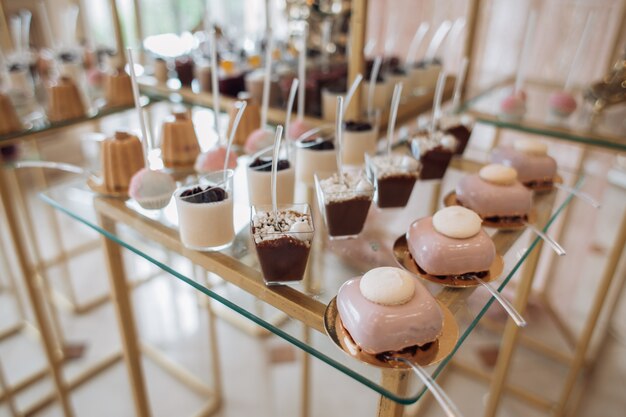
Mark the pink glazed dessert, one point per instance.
(535, 168)
(451, 243)
(495, 195)
(562, 104)
(388, 310)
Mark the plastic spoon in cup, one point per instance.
(339, 136)
(553, 243)
(302, 72)
(45, 22)
(458, 85)
(580, 194)
(142, 121)
(508, 307)
(373, 77)
(241, 105)
(265, 98)
(442, 398)
(16, 32)
(351, 91)
(416, 42)
(276, 152)
(437, 40)
(391, 127)
(292, 96)
(214, 84)
(26, 17)
(436, 113)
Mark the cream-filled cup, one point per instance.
(205, 212)
(259, 174)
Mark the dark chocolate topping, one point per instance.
(398, 71)
(355, 126)
(207, 195)
(16, 67)
(68, 57)
(317, 144)
(265, 164)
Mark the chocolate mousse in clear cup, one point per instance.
(393, 177)
(282, 242)
(205, 212)
(343, 202)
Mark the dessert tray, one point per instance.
(429, 355)
(405, 260)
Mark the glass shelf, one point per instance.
(330, 264)
(608, 132)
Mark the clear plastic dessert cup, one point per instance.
(205, 217)
(393, 177)
(282, 244)
(344, 207)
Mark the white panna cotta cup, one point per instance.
(314, 154)
(259, 174)
(359, 139)
(205, 212)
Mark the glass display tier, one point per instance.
(608, 130)
(331, 263)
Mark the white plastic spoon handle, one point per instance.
(241, 105)
(437, 40)
(442, 398)
(580, 194)
(515, 315)
(417, 40)
(373, 77)
(395, 103)
(351, 91)
(553, 243)
(292, 96)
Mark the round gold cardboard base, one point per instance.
(406, 261)
(435, 353)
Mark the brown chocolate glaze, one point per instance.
(283, 259)
(347, 217)
(394, 190)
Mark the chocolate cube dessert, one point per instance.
(434, 154)
(394, 177)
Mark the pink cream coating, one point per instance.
(378, 328)
(438, 254)
(562, 103)
(213, 160)
(297, 128)
(150, 184)
(529, 167)
(513, 106)
(489, 199)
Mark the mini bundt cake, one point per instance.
(64, 101)
(9, 122)
(179, 143)
(118, 90)
(122, 157)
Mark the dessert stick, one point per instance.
(26, 17)
(553, 243)
(45, 23)
(578, 55)
(351, 91)
(373, 77)
(523, 57)
(70, 19)
(242, 107)
(339, 136)
(16, 33)
(508, 307)
(395, 102)
(458, 85)
(437, 40)
(416, 42)
(142, 122)
(441, 82)
(265, 99)
(279, 132)
(580, 194)
(292, 97)
(302, 72)
(214, 84)
(453, 35)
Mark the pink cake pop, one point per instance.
(513, 107)
(213, 160)
(562, 104)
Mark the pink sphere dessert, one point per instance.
(297, 128)
(95, 77)
(213, 160)
(562, 104)
(151, 189)
(513, 107)
(258, 139)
